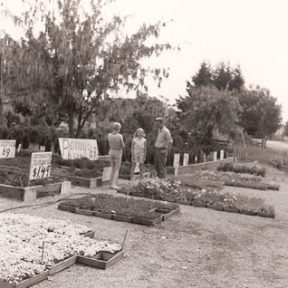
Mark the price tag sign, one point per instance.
(40, 166)
(78, 148)
(7, 148)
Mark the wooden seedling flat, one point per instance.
(62, 265)
(84, 212)
(102, 260)
(167, 213)
(28, 194)
(26, 283)
(148, 222)
(89, 234)
(84, 182)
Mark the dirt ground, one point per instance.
(199, 247)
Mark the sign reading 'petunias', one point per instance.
(78, 148)
(7, 148)
(40, 166)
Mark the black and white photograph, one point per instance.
(143, 144)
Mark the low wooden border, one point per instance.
(62, 265)
(164, 214)
(28, 194)
(26, 283)
(83, 181)
(102, 260)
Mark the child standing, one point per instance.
(138, 151)
(116, 145)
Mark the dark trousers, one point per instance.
(160, 162)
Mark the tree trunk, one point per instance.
(71, 124)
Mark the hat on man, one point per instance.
(160, 119)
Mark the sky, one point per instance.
(249, 33)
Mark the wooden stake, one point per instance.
(43, 248)
(123, 243)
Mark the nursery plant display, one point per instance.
(174, 191)
(120, 208)
(30, 245)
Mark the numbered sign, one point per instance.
(7, 148)
(40, 166)
(78, 148)
(221, 154)
(176, 160)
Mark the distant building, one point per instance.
(279, 134)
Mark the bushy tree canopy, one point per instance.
(79, 59)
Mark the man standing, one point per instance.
(163, 146)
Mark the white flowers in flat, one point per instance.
(21, 243)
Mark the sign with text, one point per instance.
(176, 160)
(78, 148)
(40, 165)
(7, 148)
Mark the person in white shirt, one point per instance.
(138, 151)
(163, 147)
(116, 145)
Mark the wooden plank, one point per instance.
(166, 215)
(33, 280)
(62, 265)
(4, 284)
(84, 212)
(99, 262)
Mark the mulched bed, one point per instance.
(121, 209)
(174, 191)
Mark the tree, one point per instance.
(223, 77)
(261, 115)
(206, 109)
(204, 76)
(80, 58)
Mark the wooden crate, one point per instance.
(85, 182)
(102, 260)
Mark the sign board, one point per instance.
(78, 148)
(221, 154)
(215, 156)
(176, 160)
(106, 176)
(40, 165)
(185, 159)
(7, 148)
(137, 168)
(42, 148)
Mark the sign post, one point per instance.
(176, 160)
(186, 159)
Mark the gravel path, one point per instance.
(197, 248)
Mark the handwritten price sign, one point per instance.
(40, 166)
(78, 148)
(7, 148)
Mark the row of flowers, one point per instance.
(30, 245)
(176, 191)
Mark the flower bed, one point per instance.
(215, 179)
(173, 191)
(121, 209)
(32, 245)
(242, 168)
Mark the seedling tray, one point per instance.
(26, 283)
(102, 260)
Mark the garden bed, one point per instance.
(174, 191)
(25, 259)
(121, 209)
